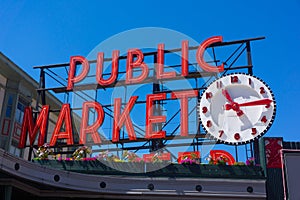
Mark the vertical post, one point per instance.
(125, 100)
(40, 94)
(251, 149)
(156, 143)
(194, 144)
(256, 151)
(236, 153)
(197, 117)
(250, 71)
(249, 58)
(43, 94)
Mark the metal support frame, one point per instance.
(200, 136)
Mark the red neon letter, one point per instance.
(151, 119)
(183, 96)
(200, 55)
(114, 70)
(160, 74)
(80, 77)
(135, 64)
(190, 155)
(64, 116)
(185, 58)
(28, 125)
(218, 154)
(120, 119)
(92, 129)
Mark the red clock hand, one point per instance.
(236, 106)
(257, 103)
(233, 105)
(227, 96)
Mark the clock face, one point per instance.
(237, 108)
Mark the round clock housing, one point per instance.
(237, 108)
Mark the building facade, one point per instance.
(17, 91)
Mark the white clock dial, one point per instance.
(237, 108)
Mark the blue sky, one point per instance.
(48, 32)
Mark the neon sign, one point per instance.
(134, 60)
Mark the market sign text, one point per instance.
(135, 60)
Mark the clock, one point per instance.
(237, 108)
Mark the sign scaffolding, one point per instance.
(143, 100)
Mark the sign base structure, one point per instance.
(21, 179)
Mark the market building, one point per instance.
(17, 91)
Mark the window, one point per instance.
(19, 113)
(13, 149)
(9, 106)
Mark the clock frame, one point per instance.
(237, 108)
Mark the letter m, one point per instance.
(29, 126)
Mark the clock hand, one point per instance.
(233, 105)
(236, 106)
(257, 103)
(227, 96)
